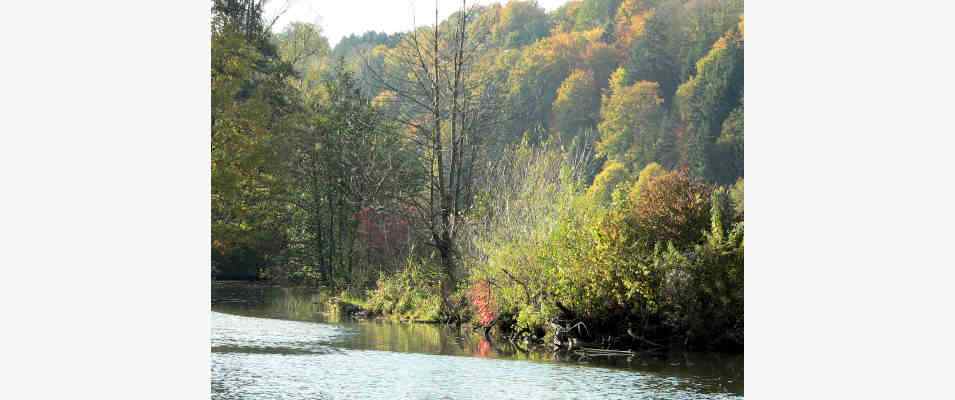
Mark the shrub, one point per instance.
(664, 258)
(613, 174)
(649, 172)
(482, 300)
(414, 293)
(306, 276)
(673, 207)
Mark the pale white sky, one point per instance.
(339, 18)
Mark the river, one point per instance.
(275, 343)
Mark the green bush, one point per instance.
(306, 276)
(669, 269)
(413, 293)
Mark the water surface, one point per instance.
(275, 343)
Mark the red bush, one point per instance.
(483, 302)
(384, 233)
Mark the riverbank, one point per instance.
(656, 264)
(257, 326)
(567, 336)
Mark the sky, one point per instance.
(340, 18)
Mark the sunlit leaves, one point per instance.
(705, 101)
(648, 173)
(521, 23)
(673, 207)
(613, 174)
(630, 119)
(577, 105)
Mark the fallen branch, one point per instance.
(642, 339)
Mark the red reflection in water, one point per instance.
(484, 348)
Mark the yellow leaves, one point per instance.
(649, 172)
(607, 180)
(720, 44)
(630, 28)
(626, 114)
(637, 24)
(593, 35)
(618, 79)
(576, 104)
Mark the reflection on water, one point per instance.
(275, 343)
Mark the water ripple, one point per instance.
(257, 358)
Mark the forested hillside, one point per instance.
(519, 169)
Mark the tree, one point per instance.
(445, 105)
(345, 160)
(673, 207)
(252, 105)
(630, 22)
(649, 172)
(700, 25)
(536, 77)
(564, 17)
(630, 118)
(706, 100)
(521, 23)
(304, 47)
(650, 57)
(576, 106)
(728, 152)
(613, 174)
(595, 13)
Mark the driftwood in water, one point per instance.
(563, 337)
(642, 339)
(594, 352)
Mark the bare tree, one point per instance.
(449, 106)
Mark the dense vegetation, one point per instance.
(515, 168)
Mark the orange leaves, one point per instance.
(483, 302)
(674, 207)
(630, 28)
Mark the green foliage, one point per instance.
(305, 48)
(736, 193)
(648, 173)
(705, 102)
(577, 105)
(517, 225)
(705, 293)
(699, 26)
(310, 173)
(306, 276)
(630, 120)
(344, 159)
(650, 57)
(728, 152)
(350, 47)
(251, 111)
(564, 18)
(672, 266)
(413, 293)
(521, 23)
(607, 181)
(595, 13)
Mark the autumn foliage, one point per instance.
(482, 300)
(673, 207)
(381, 231)
(609, 191)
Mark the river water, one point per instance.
(275, 343)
